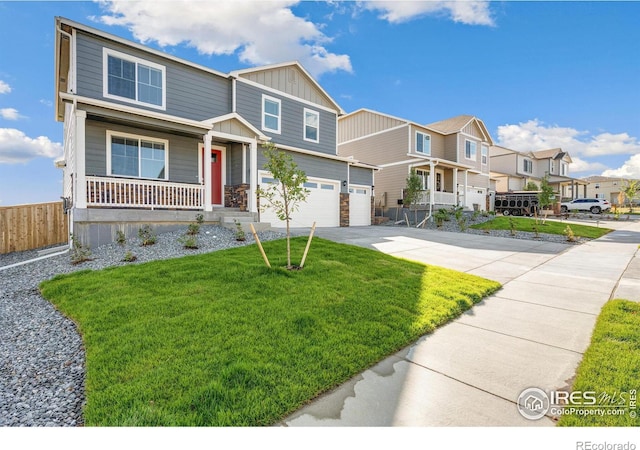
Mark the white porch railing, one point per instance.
(439, 198)
(128, 193)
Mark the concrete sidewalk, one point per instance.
(531, 333)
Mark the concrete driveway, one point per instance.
(470, 372)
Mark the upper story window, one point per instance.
(423, 143)
(564, 169)
(597, 186)
(271, 113)
(527, 166)
(133, 80)
(470, 149)
(311, 125)
(484, 155)
(137, 156)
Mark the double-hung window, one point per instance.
(470, 149)
(311, 125)
(527, 166)
(423, 143)
(271, 113)
(137, 156)
(564, 169)
(133, 80)
(484, 154)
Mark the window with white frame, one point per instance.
(133, 80)
(597, 186)
(484, 152)
(564, 169)
(271, 113)
(600, 195)
(137, 156)
(470, 149)
(423, 143)
(311, 125)
(527, 166)
(424, 177)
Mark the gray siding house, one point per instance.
(151, 138)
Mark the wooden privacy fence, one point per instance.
(27, 227)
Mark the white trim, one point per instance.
(110, 134)
(416, 143)
(475, 154)
(73, 74)
(266, 97)
(482, 147)
(310, 179)
(304, 125)
(234, 115)
(290, 96)
(401, 163)
(223, 178)
(347, 159)
(133, 110)
(106, 52)
(397, 127)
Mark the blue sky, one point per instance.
(539, 74)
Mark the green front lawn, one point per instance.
(550, 227)
(611, 365)
(219, 339)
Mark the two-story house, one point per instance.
(451, 156)
(152, 138)
(608, 188)
(513, 170)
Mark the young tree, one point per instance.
(546, 195)
(287, 191)
(412, 191)
(630, 189)
(531, 186)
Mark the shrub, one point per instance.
(129, 257)
(199, 219)
(193, 229)
(121, 239)
(240, 234)
(79, 252)
(147, 235)
(189, 241)
(568, 232)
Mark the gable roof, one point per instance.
(552, 153)
(458, 123)
(298, 71)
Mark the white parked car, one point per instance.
(594, 205)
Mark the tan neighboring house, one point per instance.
(512, 170)
(607, 188)
(451, 156)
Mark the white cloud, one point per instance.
(262, 32)
(580, 165)
(10, 114)
(16, 147)
(4, 87)
(468, 12)
(630, 169)
(535, 135)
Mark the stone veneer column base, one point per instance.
(344, 209)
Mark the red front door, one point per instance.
(216, 177)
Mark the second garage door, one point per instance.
(359, 206)
(322, 205)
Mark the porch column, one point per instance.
(455, 186)
(253, 176)
(80, 154)
(465, 181)
(432, 183)
(208, 206)
(244, 163)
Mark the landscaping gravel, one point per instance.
(41, 353)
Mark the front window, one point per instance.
(137, 156)
(470, 148)
(311, 125)
(564, 169)
(424, 176)
(423, 143)
(270, 114)
(133, 80)
(527, 166)
(485, 155)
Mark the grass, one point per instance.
(550, 227)
(611, 364)
(220, 340)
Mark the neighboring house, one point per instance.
(607, 188)
(451, 156)
(151, 138)
(512, 170)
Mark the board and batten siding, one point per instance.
(249, 106)
(191, 93)
(364, 123)
(316, 167)
(379, 149)
(451, 148)
(437, 142)
(292, 81)
(183, 151)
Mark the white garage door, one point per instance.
(359, 206)
(322, 205)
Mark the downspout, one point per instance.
(233, 94)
